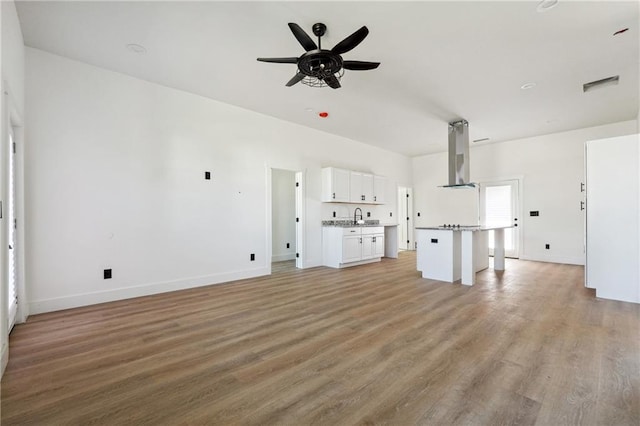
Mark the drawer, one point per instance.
(370, 230)
(351, 231)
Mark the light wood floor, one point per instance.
(368, 344)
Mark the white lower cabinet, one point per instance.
(351, 249)
(351, 246)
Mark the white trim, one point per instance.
(569, 260)
(283, 257)
(269, 215)
(85, 299)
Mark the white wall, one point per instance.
(115, 179)
(552, 168)
(283, 196)
(11, 114)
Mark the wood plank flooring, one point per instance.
(373, 344)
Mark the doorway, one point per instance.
(286, 219)
(405, 218)
(500, 206)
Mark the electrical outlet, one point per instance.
(390, 214)
(418, 214)
(334, 214)
(207, 175)
(287, 245)
(107, 274)
(252, 257)
(368, 214)
(547, 246)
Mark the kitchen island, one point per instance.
(452, 253)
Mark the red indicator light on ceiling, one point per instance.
(323, 114)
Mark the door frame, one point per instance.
(519, 204)
(10, 117)
(300, 179)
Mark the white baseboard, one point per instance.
(86, 299)
(282, 257)
(569, 260)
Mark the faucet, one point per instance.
(355, 215)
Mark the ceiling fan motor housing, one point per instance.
(319, 63)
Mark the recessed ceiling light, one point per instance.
(528, 86)
(545, 5)
(137, 48)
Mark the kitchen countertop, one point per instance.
(350, 224)
(463, 228)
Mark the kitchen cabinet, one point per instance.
(361, 187)
(379, 189)
(347, 186)
(351, 246)
(372, 242)
(335, 185)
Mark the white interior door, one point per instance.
(499, 206)
(405, 219)
(299, 219)
(12, 293)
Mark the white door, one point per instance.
(355, 187)
(405, 219)
(12, 298)
(499, 206)
(378, 245)
(379, 189)
(351, 248)
(299, 219)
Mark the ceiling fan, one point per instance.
(318, 66)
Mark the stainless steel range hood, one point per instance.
(459, 155)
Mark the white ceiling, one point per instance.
(440, 61)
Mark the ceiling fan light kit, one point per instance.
(319, 67)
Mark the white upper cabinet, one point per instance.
(345, 186)
(361, 187)
(335, 185)
(379, 189)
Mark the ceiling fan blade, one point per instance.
(350, 42)
(332, 81)
(280, 60)
(296, 79)
(359, 65)
(302, 37)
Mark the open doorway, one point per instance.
(286, 219)
(405, 219)
(500, 206)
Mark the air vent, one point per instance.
(610, 81)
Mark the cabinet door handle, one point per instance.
(334, 195)
(375, 198)
(362, 197)
(582, 205)
(374, 239)
(360, 240)
(581, 187)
